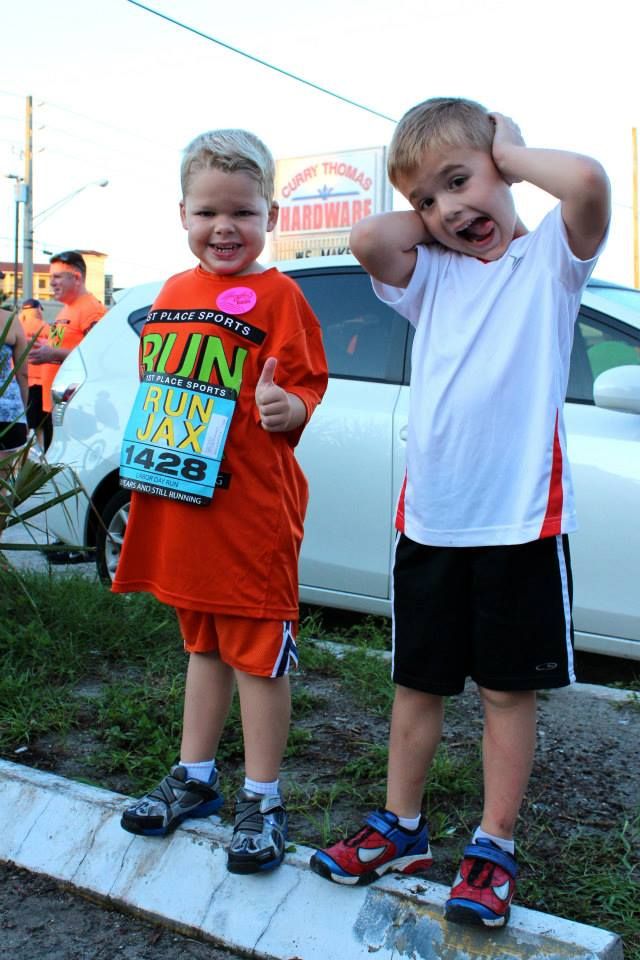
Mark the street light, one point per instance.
(27, 266)
(20, 194)
(39, 217)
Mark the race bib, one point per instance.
(175, 437)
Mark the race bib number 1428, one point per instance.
(175, 438)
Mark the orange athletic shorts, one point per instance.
(261, 648)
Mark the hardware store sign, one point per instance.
(328, 193)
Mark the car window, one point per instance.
(137, 318)
(363, 338)
(598, 346)
(407, 358)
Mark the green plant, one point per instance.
(96, 679)
(369, 679)
(599, 880)
(632, 702)
(26, 477)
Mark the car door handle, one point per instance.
(404, 432)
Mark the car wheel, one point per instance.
(110, 534)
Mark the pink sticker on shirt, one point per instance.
(236, 300)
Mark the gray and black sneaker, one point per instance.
(172, 801)
(259, 833)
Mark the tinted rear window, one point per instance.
(363, 338)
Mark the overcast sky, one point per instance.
(118, 92)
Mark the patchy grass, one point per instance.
(592, 880)
(91, 686)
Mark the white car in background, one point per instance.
(353, 450)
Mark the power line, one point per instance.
(263, 63)
(101, 144)
(110, 126)
(46, 104)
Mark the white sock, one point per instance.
(409, 823)
(271, 789)
(199, 771)
(508, 845)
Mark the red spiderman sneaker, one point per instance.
(377, 848)
(484, 886)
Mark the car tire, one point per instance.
(110, 534)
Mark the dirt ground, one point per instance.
(586, 777)
(586, 773)
(41, 921)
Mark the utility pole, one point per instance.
(19, 196)
(15, 247)
(27, 256)
(636, 251)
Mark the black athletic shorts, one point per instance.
(35, 413)
(500, 615)
(12, 436)
(37, 418)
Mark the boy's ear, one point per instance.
(272, 217)
(183, 215)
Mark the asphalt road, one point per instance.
(39, 920)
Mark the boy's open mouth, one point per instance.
(478, 230)
(225, 251)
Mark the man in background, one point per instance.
(80, 312)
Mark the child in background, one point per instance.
(13, 377)
(38, 419)
(482, 578)
(228, 328)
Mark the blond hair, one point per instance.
(433, 124)
(230, 150)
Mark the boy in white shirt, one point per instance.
(482, 578)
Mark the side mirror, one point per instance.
(618, 389)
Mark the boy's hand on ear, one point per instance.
(506, 135)
(272, 401)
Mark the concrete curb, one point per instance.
(71, 832)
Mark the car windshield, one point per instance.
(625, 296)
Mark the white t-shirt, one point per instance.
(486, 449)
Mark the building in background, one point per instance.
(321, 197)
(98, 283)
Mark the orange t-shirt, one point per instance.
(238, 555)
(72, 324)
(34, 326)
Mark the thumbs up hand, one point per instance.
(272, 401)
(278, 409)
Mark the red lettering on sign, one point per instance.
(307, 174)
(330, 215)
